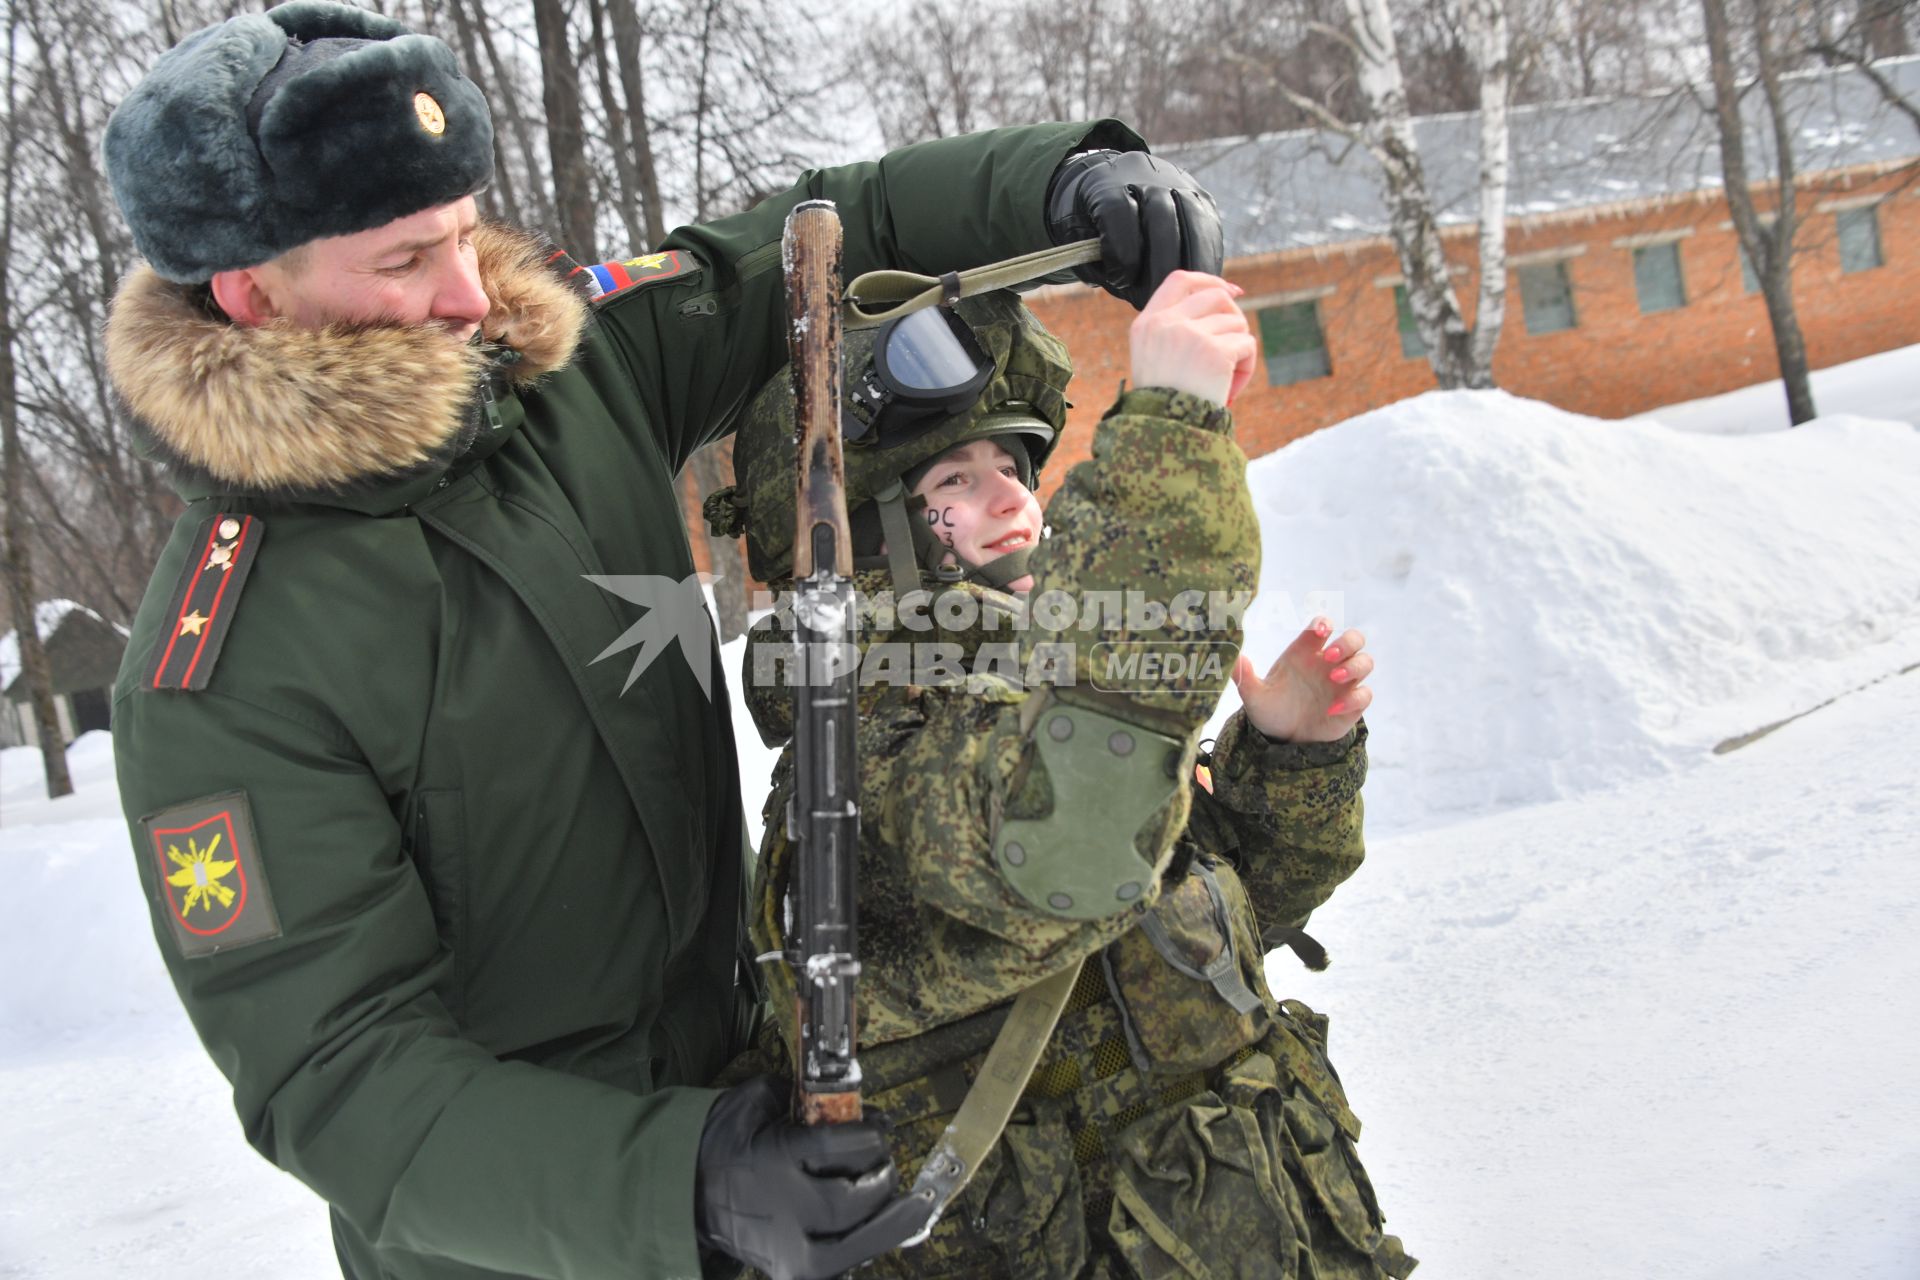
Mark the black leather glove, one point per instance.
(1151, 217)
(798, 1203)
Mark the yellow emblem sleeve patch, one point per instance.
(209, 883)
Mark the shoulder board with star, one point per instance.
(204, 602)
(604, 281)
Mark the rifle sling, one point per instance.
(880, 296)
(1003, 1077)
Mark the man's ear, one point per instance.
(242, 296)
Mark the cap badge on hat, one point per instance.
(432, 118)
(250, 137)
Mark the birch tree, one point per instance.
(1460, 355)
(1486, 22)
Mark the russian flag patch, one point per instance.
(605, 279)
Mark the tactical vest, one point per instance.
(1170, 1032)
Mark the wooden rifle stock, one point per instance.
(823, 821)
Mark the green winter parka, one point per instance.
(490, 896)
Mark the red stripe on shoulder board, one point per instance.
(219, 594)
(205, 602)
(182, 596)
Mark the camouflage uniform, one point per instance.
(1169, 1130)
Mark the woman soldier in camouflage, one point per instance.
(1181, 1121)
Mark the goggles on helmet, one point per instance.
(925, 368)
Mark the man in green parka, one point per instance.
(455, 906)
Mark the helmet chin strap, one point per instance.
(913, 551)
(1003, 571)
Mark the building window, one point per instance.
(1656, 277)
(1859, 239)
(1546, 297)
(1410, 340)
(1295, 345)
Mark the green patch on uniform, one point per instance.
(210, 883)
(607, 280)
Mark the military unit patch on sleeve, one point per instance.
(607, 279)
(210, 883)
(204, 602)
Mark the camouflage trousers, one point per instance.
(1244, 1169)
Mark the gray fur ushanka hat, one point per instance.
(255, 135)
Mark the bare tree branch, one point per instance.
(1877, 78)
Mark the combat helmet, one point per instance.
(1015, 392)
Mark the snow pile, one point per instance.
(1880, 386)
(1561, 603)
(72, 859)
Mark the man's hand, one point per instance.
(1192, 336)
(798, 1203)
(1151, 217)
(1311, 693)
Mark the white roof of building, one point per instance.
(1313, 187)
(48, 615)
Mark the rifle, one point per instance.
(823, 817)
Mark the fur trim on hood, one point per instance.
(283, 410)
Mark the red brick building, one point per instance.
(1626, 287)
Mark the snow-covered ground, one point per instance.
(1882, 386)
(1652, 1032)
(1611, 1005)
